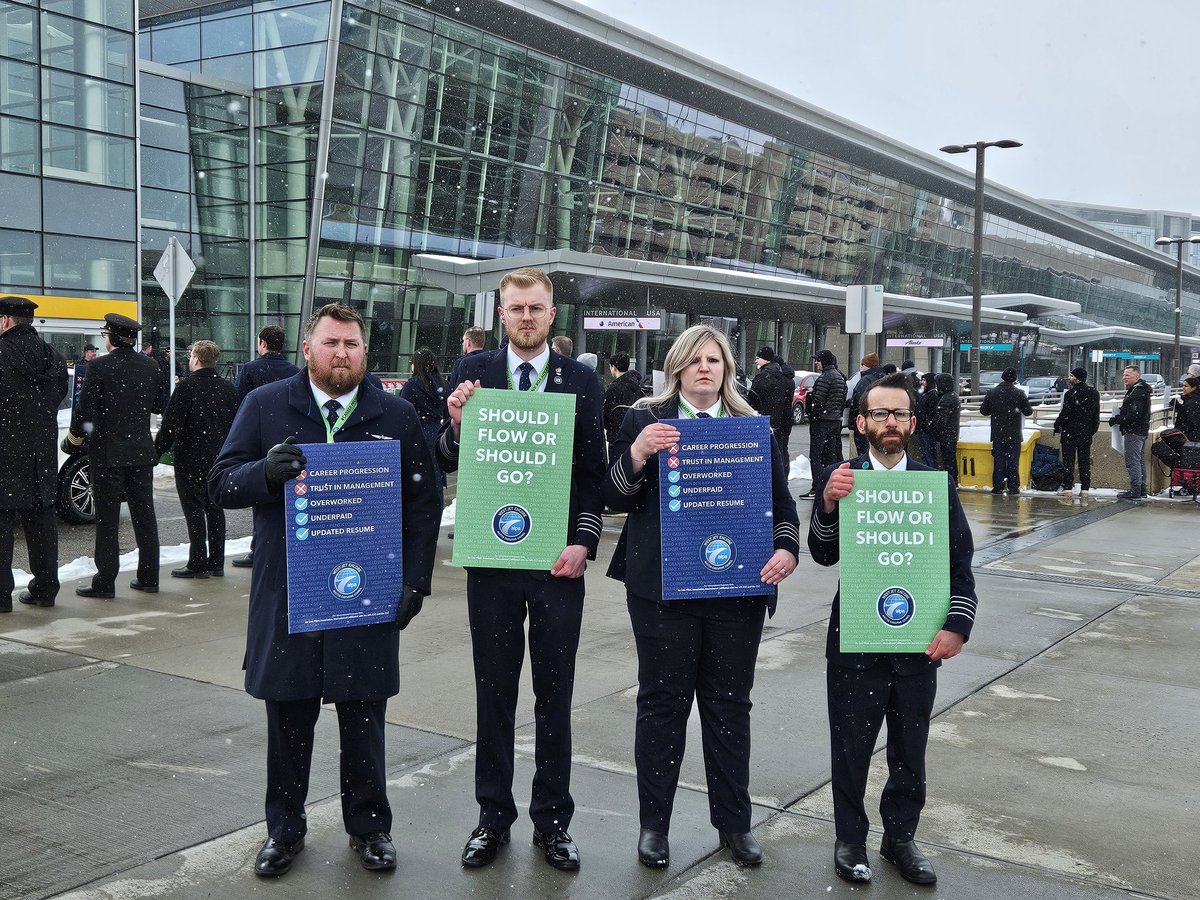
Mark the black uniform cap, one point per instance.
(16, 306)
(122, 325)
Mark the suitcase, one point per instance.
(1185, 482)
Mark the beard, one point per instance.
(528, 340)
(887, 440)
(336, 379)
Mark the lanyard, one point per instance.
(533, 387)
(337, 426)
(685, 412)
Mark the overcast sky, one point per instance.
(1098, 91)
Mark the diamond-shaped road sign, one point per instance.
(174, 271)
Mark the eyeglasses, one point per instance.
(519, 312)
(881, 415)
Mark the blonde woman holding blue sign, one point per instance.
(703, 648)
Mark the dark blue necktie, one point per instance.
(703, 416)
(526, 369)
(334, 408)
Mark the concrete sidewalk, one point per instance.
(1062, 758)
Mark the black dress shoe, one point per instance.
(243, 562)
(654, 850)
(217, 573)
(560, 850)
(850, 861)
(189, 572)
(276, 857)
(144, 588)
(742, 847)
(375, 850)
(29, 600)
(95, 592)
(482, 847)
(908, 858)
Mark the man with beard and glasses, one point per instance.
(499, 600)
(357, 669)
(864, 689)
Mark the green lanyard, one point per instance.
(533, 387)
(685, 411)
(337, 426)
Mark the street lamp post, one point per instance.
(977, 261)
(1176, 370)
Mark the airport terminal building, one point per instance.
(400, 156)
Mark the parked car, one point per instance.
(1040, 389)
(1157, 383)
(804, 383)
(74, 503)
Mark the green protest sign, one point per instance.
(514, 479)
(895, 561)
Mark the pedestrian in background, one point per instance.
(702, 650)
(870, 372)
(825, 402)
(1077, 423)
(270, 366)
(1133, 418)
(927, 400)
(563, 345)
(1006, 404)
(771, 395)
(945, 425)
(121, 391)
(427, 392)
(196, 422)
(1187, 408)
(588, 359)
(623, 391)
(33, 382)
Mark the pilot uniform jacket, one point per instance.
(33, 382)
(565, 376)
(120, 392)
(197, 419)
(341, 664)
(823, 545)
(637, 560)
(266, 369)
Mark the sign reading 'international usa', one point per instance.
(894, 538)
(514, 479)
(343, 534)
(715, 508)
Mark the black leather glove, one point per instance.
(284, 462)
(410, 604)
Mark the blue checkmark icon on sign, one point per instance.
(301, 518)
(301, 503)
(673, 476)
(675, 505)
(302, 534)
(674, 490)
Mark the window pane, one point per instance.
(114, 13)
(17, 37)
(85, 266)
(291, 65)
(86, 156)
(231, 68)
(288, 27)
(18, 89)
(164, 169)
(223, 37)
(180, 43)
(86, 49)
(71, 208)
(21, 261)
(27, 215)
(87, 102)
(18, 146)
(166, 209)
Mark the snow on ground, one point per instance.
(800, 469)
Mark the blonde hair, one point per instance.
(681, 355)
(527, 278)
(206, 352)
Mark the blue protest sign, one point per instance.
(343, 536)
(715, 508)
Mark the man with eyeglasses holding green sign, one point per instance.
(866, 688)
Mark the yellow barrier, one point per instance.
(975, 462)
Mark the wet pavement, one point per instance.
(1061, 759)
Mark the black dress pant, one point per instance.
(205, 521)
(497, 602)
(702, 649)
(860, 700)
(782, 435)
(134, 484)
(291, 726)
(824, 440)
(1081, 450)
(41, 541)
(949, 458)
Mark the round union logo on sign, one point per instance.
(718, 552)
(346, 581)
(895, 607)
(511, 524)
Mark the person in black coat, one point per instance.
(927, 401)
(771, 395)
(1077, 423)
(864, 689)
(427, 393)
(946, 419)
(270, 366)
(357, 669)
(33, 382)
(825, 403)
(500, 600)
(623, 391)
(196, 421)
(121, 391)
(1187, 409)
(703, 649)
(1006, 404)
(1133, 418)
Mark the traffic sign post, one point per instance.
(175, 271)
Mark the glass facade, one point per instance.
(442, 136)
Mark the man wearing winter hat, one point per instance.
(825, 403)
(1006, 404)
(1078, 423)
(771, 394)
